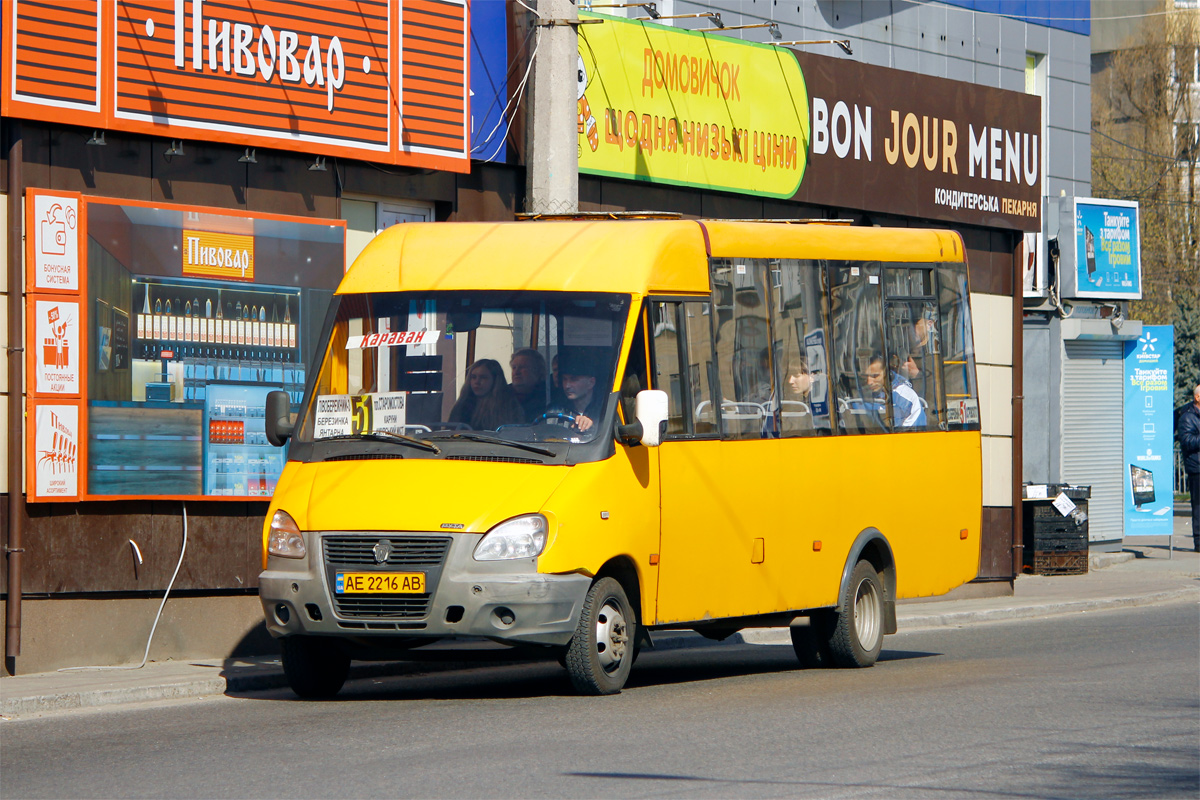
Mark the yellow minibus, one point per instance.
(568, 435)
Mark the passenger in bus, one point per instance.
(529, 382)
(583, 404)
(905, 401)
(486, 401)
(799, 378)
(796, 409)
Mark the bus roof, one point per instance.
(634, 256)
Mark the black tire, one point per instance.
(314, 668)
(601, 652)
(811, 641)
(857, 637)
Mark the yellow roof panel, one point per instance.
(819, 241)
(627, 256)
(601, 256)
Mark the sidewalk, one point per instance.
(1140, 575)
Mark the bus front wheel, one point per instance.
(313, 668)
(600, 654)
(857, 637)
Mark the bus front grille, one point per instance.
(406, 551)
(403, 553)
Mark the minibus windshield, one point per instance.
(502, 367)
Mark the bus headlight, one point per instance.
(519, 537)
(285, 539)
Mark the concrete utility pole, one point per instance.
(552, 155)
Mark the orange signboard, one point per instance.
(314, 77)
(225, 256)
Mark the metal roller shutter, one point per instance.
(1093, 431)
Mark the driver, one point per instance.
(577, 374)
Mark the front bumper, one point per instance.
(506, 601)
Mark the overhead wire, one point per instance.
(513, 103)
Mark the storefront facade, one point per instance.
(190, 183)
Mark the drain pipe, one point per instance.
(16, 405)
(1018, 411)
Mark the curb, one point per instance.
(250, 679)
(954, 619)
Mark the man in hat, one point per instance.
(578, 376)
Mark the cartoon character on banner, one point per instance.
(587, 121)
(56, 350)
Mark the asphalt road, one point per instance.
(1103, 705)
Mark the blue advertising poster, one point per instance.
(1108, 249)
(1149, 433)
(489, 80)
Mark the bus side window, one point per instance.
(634, 378)
(664, 320)
(701, 417)
(798, 324)
(958, 351)
(914, 355)
(858, 365)
(743, 348)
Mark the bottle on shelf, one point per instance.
(143, 319)
(289, 330)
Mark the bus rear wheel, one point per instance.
(601, 652)
(314, 668)
(857, 637)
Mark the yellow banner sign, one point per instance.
(226, 256)
(692, 109)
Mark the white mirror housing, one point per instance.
(650, 408)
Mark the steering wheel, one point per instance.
(553, 417)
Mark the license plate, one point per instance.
(380, 583)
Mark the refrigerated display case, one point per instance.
(238, 459)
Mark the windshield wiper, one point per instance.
(385, 436)
(480, 437)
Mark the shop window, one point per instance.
(196, 316)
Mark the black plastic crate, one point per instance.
(1066, 563)
(1058, 544)
(1054, 527)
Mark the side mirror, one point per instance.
(651, 418)
(278, 421)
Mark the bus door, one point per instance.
(719, 496)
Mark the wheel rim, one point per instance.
(612, 637)
(867, 613)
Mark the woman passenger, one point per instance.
(486, 401)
